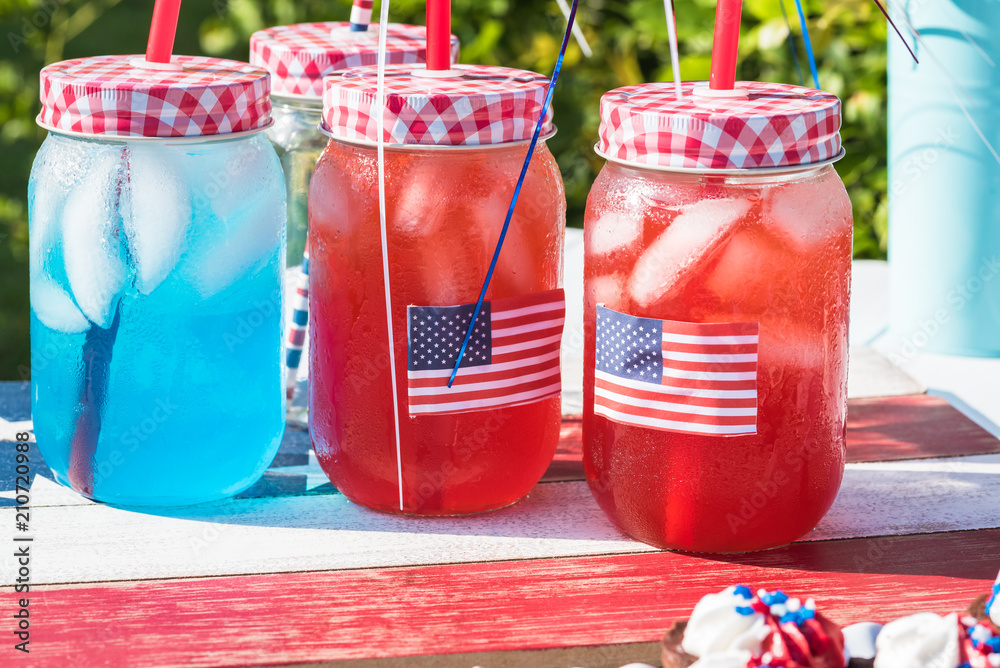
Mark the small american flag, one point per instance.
(512, 357)
(691, 377)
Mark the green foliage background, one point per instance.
(629, 41)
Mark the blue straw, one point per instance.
(808, 43)
(791, 42)
(517, 189)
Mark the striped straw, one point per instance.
(361, 15)
(297, 327)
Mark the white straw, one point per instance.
(577, 32)
(380, 125)
(675, 61)
(946, 78)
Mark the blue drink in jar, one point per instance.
(157, 213)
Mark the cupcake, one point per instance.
(928, 640)
(737, 629)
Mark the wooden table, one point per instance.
(292, 573)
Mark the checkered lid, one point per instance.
(114, 95)
(479, 105)
(299, 56)
(776, 125)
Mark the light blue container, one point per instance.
(944, 183)
(156, 314)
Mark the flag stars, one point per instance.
(440, 331)
(626, 347)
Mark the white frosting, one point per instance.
(737, 658)
(715, 628)
(923, 640)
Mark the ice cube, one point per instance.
(805, 215)
(251, 238)
(691, 239)
(157, 214)
(54, 307)
(788, 347)
(612, 232)
(606, 290)
(423, 205)
(519, 267)
(661, 202)
(452, 268)
(239, 197)
(92, 239)
(673, 195)
(749, 269)
(59, 165)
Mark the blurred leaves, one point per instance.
(630, 46)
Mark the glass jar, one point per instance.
(716, 315)
(299, 143)
(156, 268)
(445, 207)
(298, 56)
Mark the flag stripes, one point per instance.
(512, 359)
(678, 376)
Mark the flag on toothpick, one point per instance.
(512, 356)
(690, 377)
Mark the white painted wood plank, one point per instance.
(870, 374)
(45, 492)
(917, 496)
(9, 430)
(97, 543)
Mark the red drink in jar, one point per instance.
(722, 429)
(446, 200)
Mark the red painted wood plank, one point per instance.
(298, 617)
(916, 426)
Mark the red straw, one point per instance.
(162, 30)
(438, 34)
(726, 44)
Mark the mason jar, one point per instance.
(157, 253)
(717, 243)
(484, 442)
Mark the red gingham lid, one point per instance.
(299, 56)
(111, 95)
(778, 125)
(482, 105)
